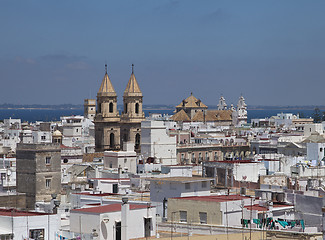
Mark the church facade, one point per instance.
(192, 109)
(112, 129)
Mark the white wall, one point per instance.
(126, 160)
(155, 142)
(42, 137)
(167, 189)
(313, 128)
(104, 223)
(315, 151)
(22, 225)
(248, 171)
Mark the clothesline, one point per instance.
(270, 222)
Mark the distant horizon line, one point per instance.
(153, 106)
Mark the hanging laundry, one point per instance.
(283, 223)
(302, 224)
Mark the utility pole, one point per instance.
(250, 224)
(242, 218)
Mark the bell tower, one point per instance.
(107, 131)
(132, 114)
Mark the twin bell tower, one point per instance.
(113, 130)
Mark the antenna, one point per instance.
(132, 68)
(105, 68)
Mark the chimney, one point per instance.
(125, 212)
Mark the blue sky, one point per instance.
(272, 52)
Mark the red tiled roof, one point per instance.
(16, 213)
(214, 198)
(107, 208)
(261, 208)
(256, 207)
(64, 146)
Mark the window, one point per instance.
(48, 160)
(321, 149)
(137, 108)
(126, 108)
(203, 217)
(36, 234)
(187, 185)
(111, 140)
(111, 107)
(47, 183)
(182, 216)
(43, 137)
(137, 141)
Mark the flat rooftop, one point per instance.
(96, 194)
(259, 208)
(180, 179)
(116, 207)
(17, 213)
(214, 198)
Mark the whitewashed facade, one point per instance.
(155, 142)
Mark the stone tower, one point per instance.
(132, 114)
(90, 108)
(107, 120)
(38, 172)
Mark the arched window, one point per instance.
(111, 140)
(99, 108)
(125, 108)
(137, 141)
(111, 107)
(137, 108)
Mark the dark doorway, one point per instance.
(147, 227)
(118, 231)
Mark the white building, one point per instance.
(316, 152)
(78, 132)
(309, 129)
(167, 187)
(28, 225)
(42, 137)
(111, 185)
(155, 142)
(115, 221)
(124, 160)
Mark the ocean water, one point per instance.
(32, 115)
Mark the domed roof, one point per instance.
(57, 133)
